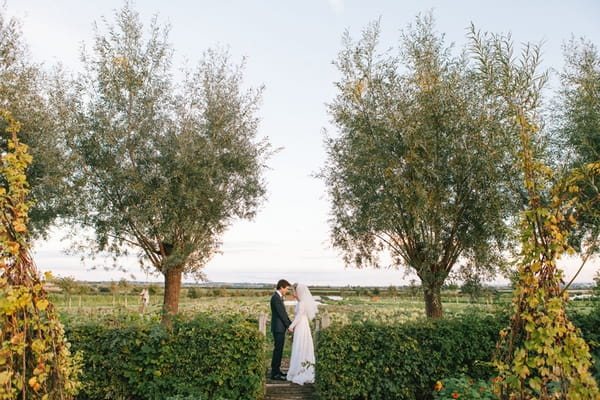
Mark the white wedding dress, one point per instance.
(302, 361)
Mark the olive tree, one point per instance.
(418, 168)
(163, 166)
(30, 94)
(578, 108)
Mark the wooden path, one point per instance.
(279, 390)
(282, 390)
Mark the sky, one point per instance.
(289, 47)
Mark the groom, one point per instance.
(279, 324)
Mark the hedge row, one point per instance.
(129, 357)
(369, 361)
(589, 324)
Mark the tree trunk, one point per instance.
(172, 289)
(433, 300)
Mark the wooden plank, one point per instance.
(278, 390)
(284, 390)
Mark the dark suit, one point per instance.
(279, 324)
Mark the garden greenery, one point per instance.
(421, 360)
(204, 357)
(403, 361)
(589, 324)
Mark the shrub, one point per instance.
(463, 387)
(129, 356)
(193, 293)
(403, 361)
(589, 324)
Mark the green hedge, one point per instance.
(589, 324)
(373, 361)
(128, 357)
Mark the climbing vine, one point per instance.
(541, 354)
(35, 361)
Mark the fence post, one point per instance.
(325, 321)
(320, 324)
(262, 323)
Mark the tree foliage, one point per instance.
(579, 128)
(35, 361)
(164, 167)
(32, 96)
(541, 355)
(596, 288)
(580, 97)
(420, 164)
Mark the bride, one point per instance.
(302, 361)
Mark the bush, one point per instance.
(132, 357)
(193, 293)
(403, 361)
(589, 324)
(463, 387)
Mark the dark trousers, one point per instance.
(278, 342)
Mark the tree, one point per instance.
(579, 128)
(419, 167)
(163, 168)
(32, 96)
(68, 284)
(124, 286)
(540, 355)
(580, 95)
(473, 287)
(596, 288)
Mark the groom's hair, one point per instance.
(283, 284)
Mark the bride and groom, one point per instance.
(302, 361)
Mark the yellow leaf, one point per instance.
(535, 383)
(42, 304)
(13, 247)
(32, 381)
(38, 346)
(5, 377)
(524, 372)
(19, 227)
(18, 338)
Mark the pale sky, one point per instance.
(289, 47)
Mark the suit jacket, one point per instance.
(279, 318)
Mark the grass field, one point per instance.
(355, 305)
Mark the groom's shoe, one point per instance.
(279, 377)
